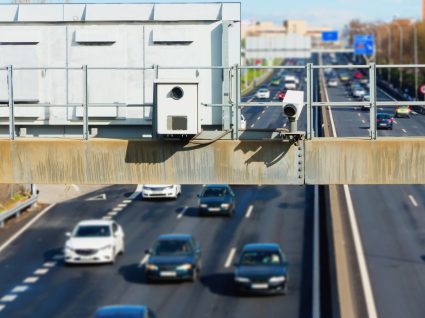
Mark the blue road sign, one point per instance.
(329, 36)
(364, 44)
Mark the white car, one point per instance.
(263, 93)
(290, 84)
(161, 191)
(94, 241)
(333, 82)
(243, 122)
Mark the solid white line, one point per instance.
(249, 211)
(49, 264)
(364, 274)
(20, 289)
(180, 215)
(230, 258)
(144, 260)
(8, 298)
(2, 307)
(21, 231)
(137, 192)
(412, 199)
(41, 271)
(404, 130)
(31, 280)
(316, 253)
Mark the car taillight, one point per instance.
(408, 107)
(390, 120)
(377, 120)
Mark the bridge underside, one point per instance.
(119, 161)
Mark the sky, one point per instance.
(332, 13)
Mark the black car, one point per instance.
(262, 268)
(384, 120)
(174, 257)
(217, 199)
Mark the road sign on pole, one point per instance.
(329, 36)
(364, 44)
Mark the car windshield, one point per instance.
(172, 247)
(264, 258)
(214, 192)
(383, 116)
(263, 90)
(93, 231)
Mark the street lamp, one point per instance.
(415, 56)
(389, 50)
(400, 79)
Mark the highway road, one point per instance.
(391, 219)
(34, 281)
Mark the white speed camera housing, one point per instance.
(293, 104)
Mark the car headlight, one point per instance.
(225, 205)
(277, 279)
(151, 267)
(203, 205)
(106, 247)
(184, 267)
(242, 279)
(68, 248)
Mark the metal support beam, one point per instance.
(310, 128)
(372, 87)
(85, 104)
(12, 132)
(235, 108)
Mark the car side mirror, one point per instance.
(68, 234)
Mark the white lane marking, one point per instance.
(21, 231)
(31, 280)
(112, 213)
(99, 197)
(8, 298)
(263, 111)
(404, 130)
(117, 209)
(230, 258)
(144, 260)
(49, 264)
(414, 113)
(284, 125)
(252, 125)
(127, 201)
(2, 307)
(381, 108)
(19, 289)
(249, 211)
(76, 188)
(395, 122)
(412, 199)
(122, 205)
(358, 114)
(363, 121)
(137, 192)
(259, 117)
(364, 274)
(41, 271)
(58, 257)
(180, 215)
(107, 218)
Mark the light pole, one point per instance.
(389, 50)
(400, 79)
(415, 57)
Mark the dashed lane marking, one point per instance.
(112, 213)
(412, 199)
(249, 211)
(230, 258)
(144, 260)
(358, 114)
(404, 130)
(2, 307)
(180, 215)
(31, 280)
(8, 298)
(122, 205)
(252, 125)
(137, 192)
(41, 271)
(263, 111)
(107, 218)
(127, 201)
(363, 121)
(259, 117)
(49, 264)
(58, 257)
(19, 289)
(117, 209)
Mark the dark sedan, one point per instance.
(217, 199)
(262, 268)
(384, 120)
(174, 257)
(124, 311)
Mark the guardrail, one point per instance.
(16, 211)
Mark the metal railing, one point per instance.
(233, 103)
(16, 210)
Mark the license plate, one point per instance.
(214, 209)
(382, 124)
(168, 274)
(259, 286)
